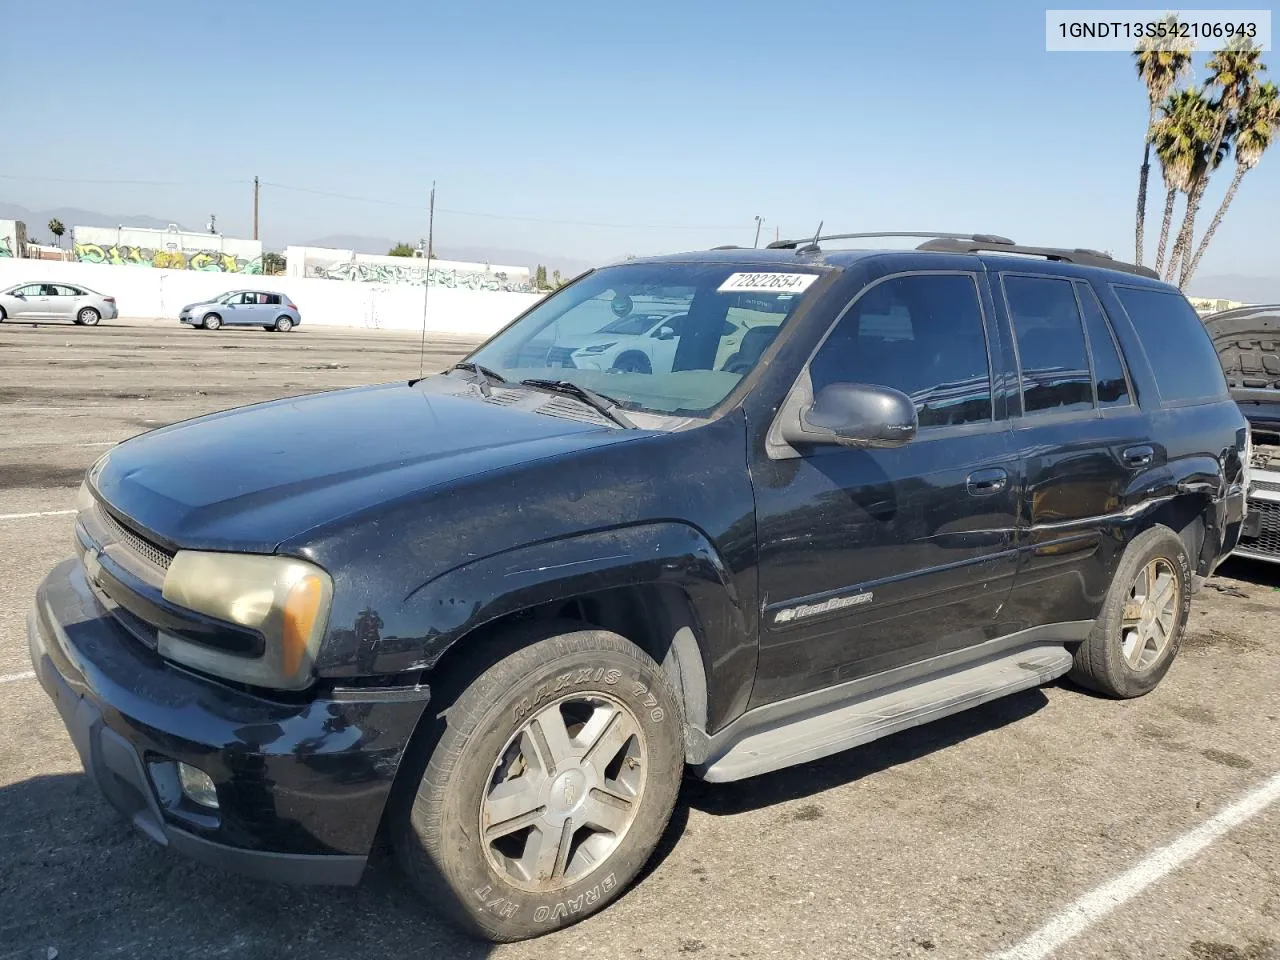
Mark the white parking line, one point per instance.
(11, 677)
(40, 513)
(1096, 904)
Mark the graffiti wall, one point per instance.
(453, 279)
(208, 261)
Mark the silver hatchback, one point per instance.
(56, 301)
(258, 308)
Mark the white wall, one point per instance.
(149, 292)
(170, 239)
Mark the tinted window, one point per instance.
(1108, 369)
(919, 334)
(65, 291)
(1051, 347)
(30, 290)
(1182, 357)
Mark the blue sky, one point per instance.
(676, 121)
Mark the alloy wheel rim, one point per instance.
(564, 792)
(1150, 612)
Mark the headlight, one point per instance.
(598, 348)
(284, 599)
(84, 498)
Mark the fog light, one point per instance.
(197, 786)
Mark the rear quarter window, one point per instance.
(1182, 356)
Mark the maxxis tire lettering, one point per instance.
(565, 681)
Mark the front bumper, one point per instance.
(301, 786)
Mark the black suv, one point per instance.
(499, 611)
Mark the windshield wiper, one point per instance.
(483, 375)
(489, 375)
(596, 401)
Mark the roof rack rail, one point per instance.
(811, 243)
(1077, 255)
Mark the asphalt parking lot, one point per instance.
(962, 839)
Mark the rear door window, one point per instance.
(1052, 355)
(1109, 375)
(1182, 356)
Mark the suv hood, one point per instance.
(250, 478)
(1248, 343)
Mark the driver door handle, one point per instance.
(985, 483)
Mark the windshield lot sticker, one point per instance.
(767, 283)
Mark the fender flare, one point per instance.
(453, 606)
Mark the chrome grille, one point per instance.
(145, 549)
(1268, 539)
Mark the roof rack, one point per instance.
(976, 243)
(1078, 255)
(811, 243)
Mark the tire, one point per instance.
(283, 325)
(632, 362)
(3, 316)
(1133, 642)
(88, 317)
(211, 321)
(582, 676)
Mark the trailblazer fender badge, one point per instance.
(805, 610)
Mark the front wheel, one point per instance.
(548, 787)
(211, 321)
(1139, 630)
(88, 317)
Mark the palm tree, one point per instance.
(1256, 125)
(1180, 136)
(1233, 70)
(1161, 63)
(57, 229)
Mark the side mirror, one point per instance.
(666, 333)
(856, 415)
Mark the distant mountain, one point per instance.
(1235, 286)
(37, 220)
(37, 226)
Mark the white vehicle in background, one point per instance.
(645, 341)
(641, 342)
(56, 301)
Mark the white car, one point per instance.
(635, 343)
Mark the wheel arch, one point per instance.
(660, 585)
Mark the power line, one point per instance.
(382, 202)
(503, 216)
(138, 183)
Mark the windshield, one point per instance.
(662, 337)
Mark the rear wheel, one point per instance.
(1139, 630)
(3, 316)
(283, 324)
(88, 317)
(211, 321)
(548, 787)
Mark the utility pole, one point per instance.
(759, 220)
(426, 280)
(431, 225)
(255, 208)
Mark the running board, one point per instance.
(877, 713)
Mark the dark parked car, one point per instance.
(1248, 343)
(502, 609)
